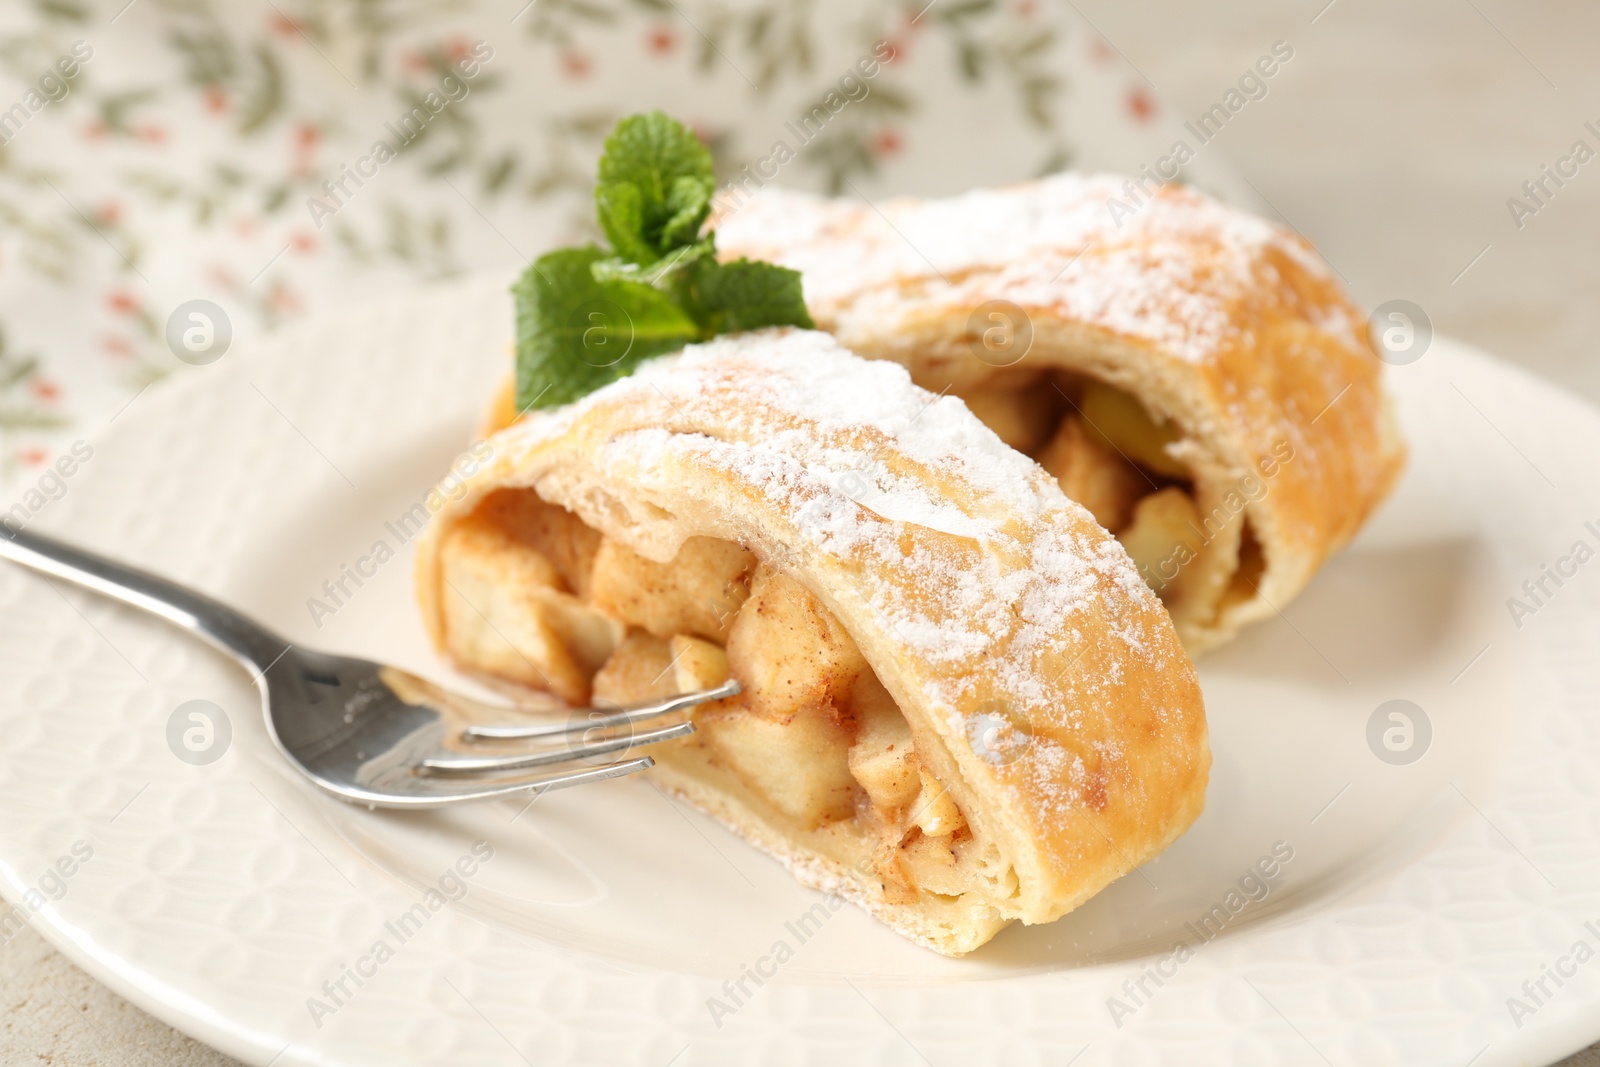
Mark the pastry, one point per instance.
(1192, 374)
(961, 707)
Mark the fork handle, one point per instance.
(228, 630)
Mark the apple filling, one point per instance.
(815, 741)
(1192, 544)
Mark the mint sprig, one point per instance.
(588, 316)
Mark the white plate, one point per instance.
(1419, 898)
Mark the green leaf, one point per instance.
(1036, 44)
(664, 273)
(588, 316)
(499, 172)
(620, 208)
(966, 9)
(655, 187)
(23, 419)
(746, 295)
(688, 203)
(971, 61)
(266, 100)
(72, 12)
(576, 333)
(17, 372)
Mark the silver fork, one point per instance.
(373, 734)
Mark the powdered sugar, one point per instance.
(852, 409)
(1051, 243)
(1019, 628)
(989, 561)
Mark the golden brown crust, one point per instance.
(502, 410)
(1224, 323)
(1042, 680)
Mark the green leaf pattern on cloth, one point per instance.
(181, 159)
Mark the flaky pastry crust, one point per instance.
(1043, 682)
(1228, 326)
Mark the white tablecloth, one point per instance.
(177, 165)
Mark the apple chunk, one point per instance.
(1163, 537)
(558, 535)
(505, 613)
(640, 669)
(1092, 473)
(1122, 421)
(697, 664)
(883, 758)
(698, 592)
(799, 763)
(790, 652)
(935, 813)
(1022, 418)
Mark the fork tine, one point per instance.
(427, 791)
(610, 717)
(453, 764)
(596, 774)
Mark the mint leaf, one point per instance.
(620, 209)
(655, 187)
(588, 316)
(576, 333)
(688, 204)
(663, 273)
(745, 294)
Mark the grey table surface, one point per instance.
(1393, 146)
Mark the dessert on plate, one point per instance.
(1192, 374)
(961, 706)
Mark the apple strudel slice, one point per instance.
(1192, 374)
(961, 707)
